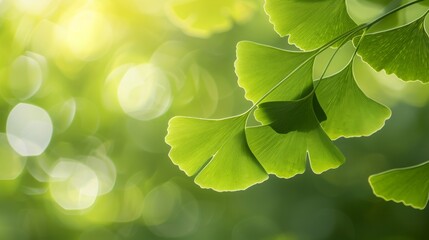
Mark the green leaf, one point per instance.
(350, 113)
(259, 68)
(215, 149)
(293, 133)
(298, 82)
(291, 127)
(202, 18)
(309, 23)
(403, 51)
(409, 186)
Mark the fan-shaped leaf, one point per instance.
(309, 23)
(403, 51)
(407, 185)
(259, 68)
(233, 167)
(350, 113)
(202, 18)
(293, 131)
(221, 146)
(291, 128)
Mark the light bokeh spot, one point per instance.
(105, 171)
(11, 164)
(26, 77)
(47, 38)
(144, 92)
(73, 185)
(110, 88)
(39, 168)
(170, 212)
(63, 114)
(131, 203)
(29, 129)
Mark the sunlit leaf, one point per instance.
(215, 150)
(293, 132)
(259, 68)
(403, 51)
(234, 167)
(202, 18)
(291, 127)
(297, 84)
(409, 186)
(309, 23)
(350, 113)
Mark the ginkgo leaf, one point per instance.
(215, 150)
(350, 113)
(291, 128)
(233, 167)
(409, 186)
(403, 51)
(293, 133)
(259, 68)
(202, 18)
(297, 82)
(309, 23)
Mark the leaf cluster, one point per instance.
(300, 116)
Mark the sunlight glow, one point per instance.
(88, 34)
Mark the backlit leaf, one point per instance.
(215, 150)
(293, 132)
(309, 23)
(409, 186)
(291, 119)
(403, 51)
(350, 113)
(259, 68)
(234, 167)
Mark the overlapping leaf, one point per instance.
(350, 113)
(403, 51)
(202, 18)
(293, 114)
(407, 185)
(293, 130)
(215, 150)
(309, 23)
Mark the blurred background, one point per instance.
(86, 91)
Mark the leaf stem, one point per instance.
(345, 40)
(391, 12)
(344, 37)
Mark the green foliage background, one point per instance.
(151, 199)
